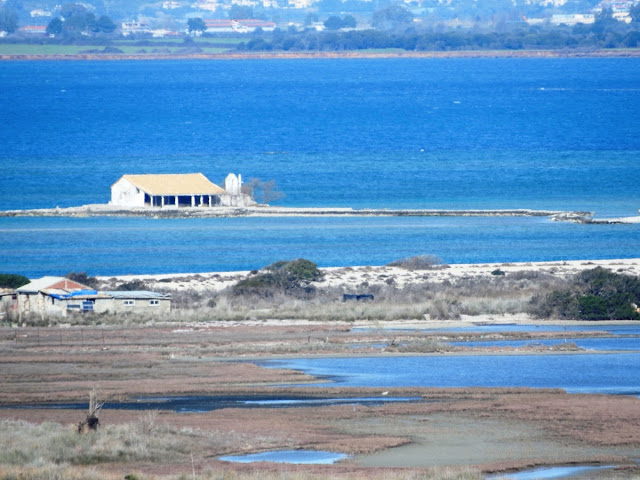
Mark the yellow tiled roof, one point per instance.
(175, 184)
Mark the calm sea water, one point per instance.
(411, 133)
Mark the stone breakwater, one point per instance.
(267, 211)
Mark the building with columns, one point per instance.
(177, 190)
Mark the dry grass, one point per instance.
(425, 297)
(489, 295)
(54, 451)
(144, 440)
(55, 472)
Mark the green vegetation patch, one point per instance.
(292, 277)
(596, 294)
(419, 262)
(12, 280)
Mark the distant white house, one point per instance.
(38, 12)
(572, 19)
(134, 27)
(178, 190)
(239, 26)
(59, 296)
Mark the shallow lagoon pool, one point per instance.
(575, 373)
(551, 473)
(631, 344)
(288, 456)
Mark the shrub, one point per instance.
(596, 294)
(497, 271)
(419, 262)
(83, 278)
(11, 280)
(296, 270)
(132, 285)
(291, 277)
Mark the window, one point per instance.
(154, 303)
(129, 303)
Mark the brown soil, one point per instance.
(484, 429)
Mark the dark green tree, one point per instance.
(333, 23)
(596, 294)
(55, 26)
(8, 19)
(349, 21)
(80, 23)
(11, 280)
(604, 20)
(293, 277)
(132, 286)
(104, 24)
(83, 278)
(196, 25)
(391, 18)
(69, 10)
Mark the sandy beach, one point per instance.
(354, 277)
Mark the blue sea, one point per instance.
(365, 133)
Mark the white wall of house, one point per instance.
(138, 305)
(45, 305)
(40, 304)
(124, 193)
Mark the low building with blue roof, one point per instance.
(59, 296)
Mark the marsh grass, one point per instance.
(51, 451)
(56, 472)
(36, 445)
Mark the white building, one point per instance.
(177, 190)
(573, 19)
(133, 27)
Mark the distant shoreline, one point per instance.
(612, 53)
(105, 210)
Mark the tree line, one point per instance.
(601, 34)
(391, 27)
